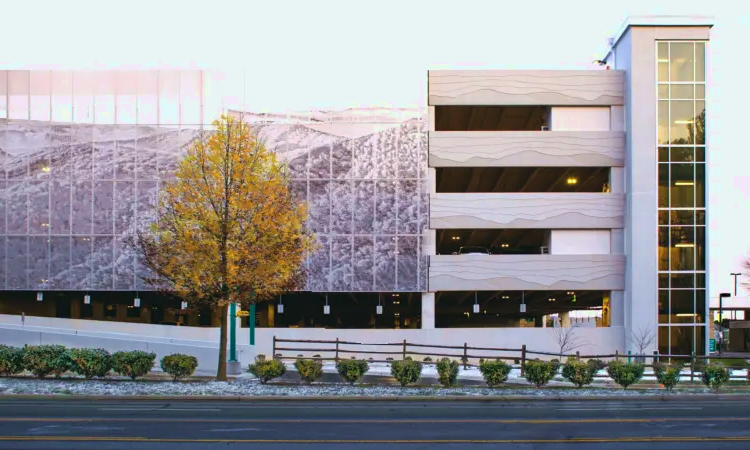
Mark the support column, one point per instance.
(428, 310)
(565, 319)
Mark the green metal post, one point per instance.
(628, 356)
(233, 332)
(251, 319)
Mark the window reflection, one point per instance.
(663, 122)
(681, 91)
(663, 185)
(700, 61)
(681, 61)
(681, 307)
(700, 185)
(682, 126)
(700, 248)
(681, 341)
(682, 217)
(700, 305)
(682, 280)
(663, 248)
(682, 186)
(700, 122)
(682, 154)
(663, 306)
(682, 255)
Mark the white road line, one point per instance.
(624, 410)
(159, 409)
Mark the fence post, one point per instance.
(466, 355)
(656, 357)
(628, 356)
(273, 354)
(617, 355)
(403, 351)
(578, 355)
(337, 352)
(523, 358)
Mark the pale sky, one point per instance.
(316, 54)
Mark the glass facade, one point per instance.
(83, 156)
(681, 150)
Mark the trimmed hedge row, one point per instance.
(45, 360)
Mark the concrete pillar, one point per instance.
(428, 310)
(617, 180)
(145, 314)
(565, 319)
(617, 309)
(431, 118)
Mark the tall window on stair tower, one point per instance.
(681, 150)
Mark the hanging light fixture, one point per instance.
(476, 305)
(39, 296)
(523, 301)
(280, 306)
(326, 307)
(379, 308)
(87, 299)
(183, 305)
(137, 300)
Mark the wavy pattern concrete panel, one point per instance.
(522, 210)
(526, 87)
(527, 148)
(526, 272)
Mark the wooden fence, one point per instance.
(338, 350)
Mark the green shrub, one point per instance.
(447, 372)
(494, 373)
(42, 360)
(596, 364)
(267, 370)
(714, 376)
(309, 369)
(11, 360)
(133, 364)
(178, 365)
(352, 371)
(625, 374)
(427, 359)
(91, 362)
(406, 371)
(539, 372)
(578, 372)
(667, 374)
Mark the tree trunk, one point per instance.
(221, 371)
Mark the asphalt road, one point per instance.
(515, 424)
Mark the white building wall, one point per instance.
(580, 242)
(579, 118)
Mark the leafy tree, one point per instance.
(227, 227)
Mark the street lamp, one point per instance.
(735, 275)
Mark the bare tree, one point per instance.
(566, 340)
(642, 338)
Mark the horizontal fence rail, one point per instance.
(338, 350)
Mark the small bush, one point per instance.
(179, 365)
(133, 364)
(539, 372)
(494, 373)
(352, 371)
(91, 362)
(42, 360)
(714, 376)
(309, 370)
(625, 374)
(11, 360)
(667, 374)
(260, 357)
(447, 372)
(427, 359)
(596, 364)
(267, 370)
(578, 372)
(406, 371)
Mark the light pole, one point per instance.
(735, 275)
(720, 342)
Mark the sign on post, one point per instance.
(243, 313)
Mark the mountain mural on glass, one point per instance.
(69, 194)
